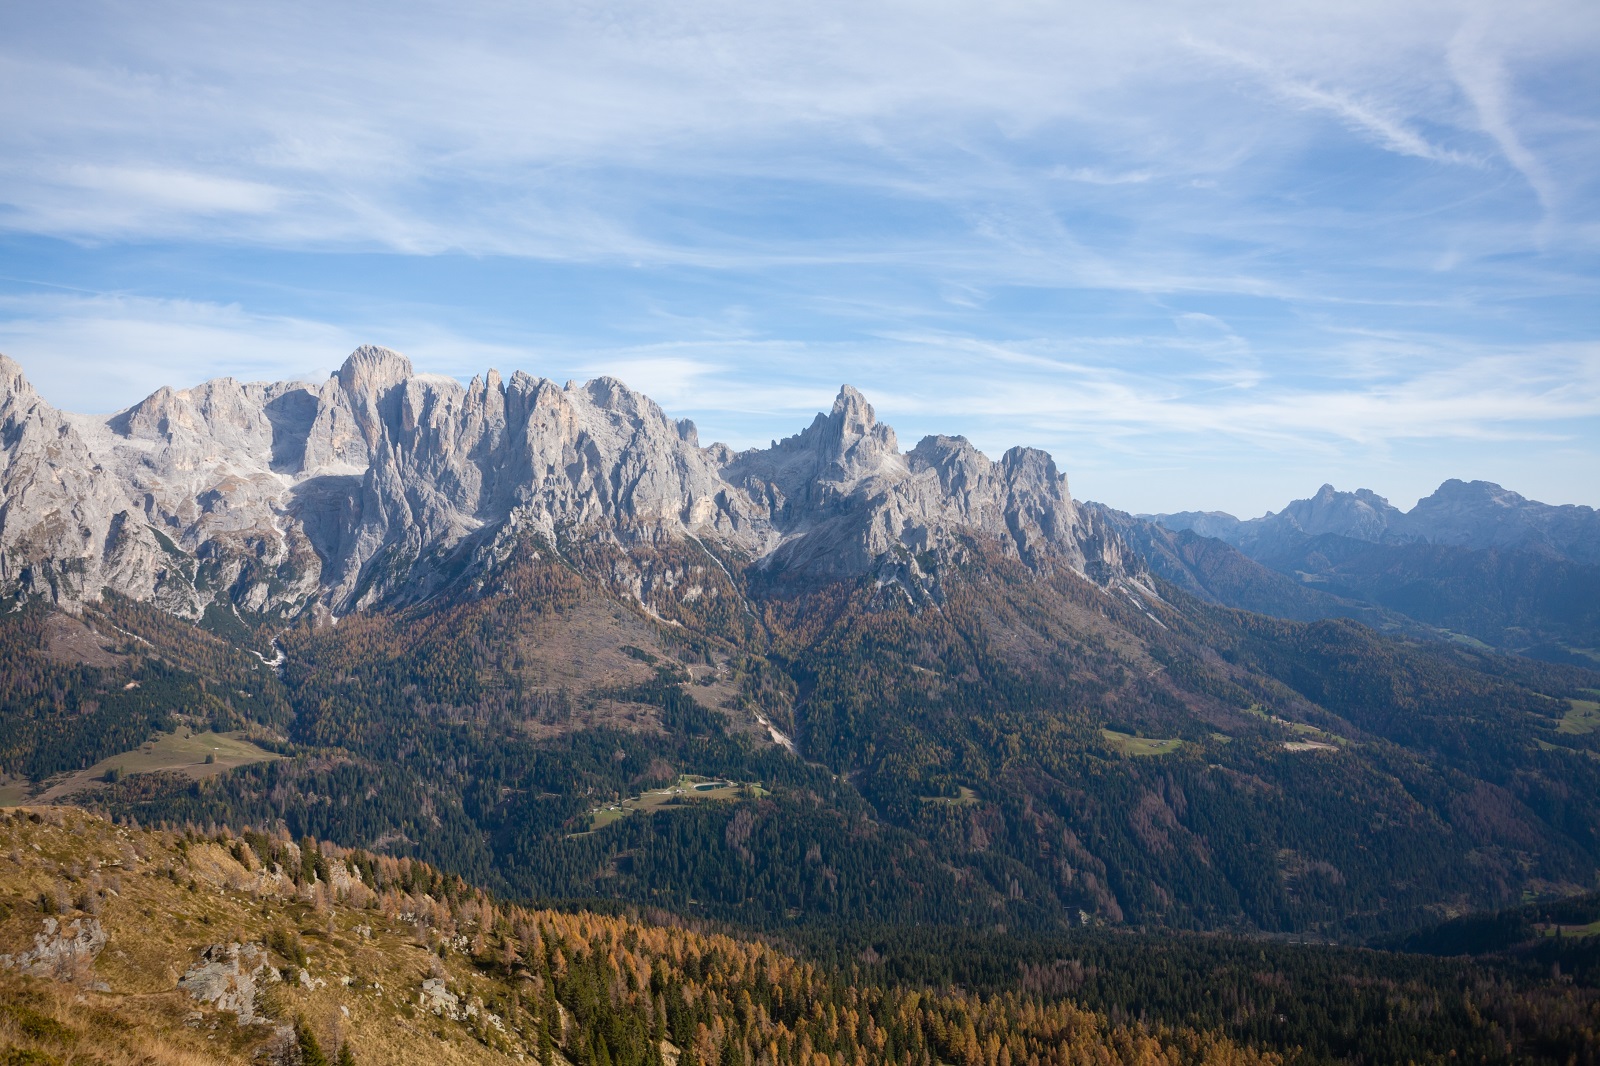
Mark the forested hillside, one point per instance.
(1518, 600)
(74, 690)
(972, 744)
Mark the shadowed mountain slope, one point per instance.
(1472, 559)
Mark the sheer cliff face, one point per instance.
(382, 484)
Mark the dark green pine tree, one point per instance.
(547, 1044)
(658, 1021)
(345, 1057)
(310, 1051)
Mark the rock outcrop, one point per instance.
(62, 954)
(1481, 514)
(383, 485)
(1361, 515)
(436, 999)
(228, 976)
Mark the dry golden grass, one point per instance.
(60, 1023)
(162, 900)
(354, 966)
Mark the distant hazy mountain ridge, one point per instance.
(1478, 515)
(1472, 558)
(382, 484)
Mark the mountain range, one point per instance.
(382, 485)
(541, 637)
(1475, 515)
(1472, 559)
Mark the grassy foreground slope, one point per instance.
(120, 945)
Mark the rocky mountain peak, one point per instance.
(610, 394)
(853, 409)
(1477, 515)
(13, 382)
(1481, 514)
(372, 368)
(954, 460)
(385, 485)
(1362, 514)
(854, 444)
(1484, 493)
(1034, 468)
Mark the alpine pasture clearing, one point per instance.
(1583, 718)
(1128, 744)
(182, 752)
(964, 797)
(688, 788)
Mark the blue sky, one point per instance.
(1210, 255)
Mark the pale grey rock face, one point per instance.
(1362, 514)
(840, 496)
(62, 954)
(384, 485)
(436, 999)
(228, 976)
(67, 528)
(1216, 524)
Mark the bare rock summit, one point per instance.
(384, 485)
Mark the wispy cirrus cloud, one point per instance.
(1369, 118)
(139, 344)
(1481, 73)
(529, 132)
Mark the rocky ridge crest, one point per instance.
(381, 484)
